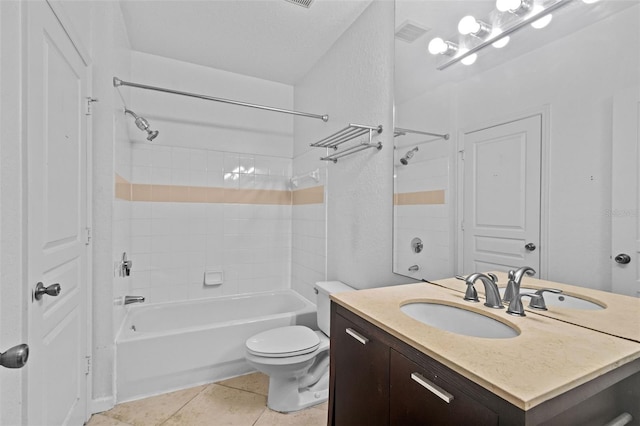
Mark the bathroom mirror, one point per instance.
(478, 202)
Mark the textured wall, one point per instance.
(110, 46)
(353, 83)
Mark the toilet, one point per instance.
(296, 358)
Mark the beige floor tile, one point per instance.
(254, 382)
(153, 410)
(323, 407)
(221, 405)
(307, 417)
(101, 420)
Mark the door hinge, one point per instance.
(87, 236)
(462, 226)
(90, 100)
(88, 370)
(461, 152)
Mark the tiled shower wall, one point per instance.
(240, 226)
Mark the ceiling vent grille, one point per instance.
(410, 31)
(303, 3)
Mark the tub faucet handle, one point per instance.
(125, 266)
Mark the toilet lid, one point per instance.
(284, 342)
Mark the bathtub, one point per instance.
(168, 346)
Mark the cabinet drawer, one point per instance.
(419, 397)
(361, 363)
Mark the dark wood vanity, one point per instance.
(377, 379)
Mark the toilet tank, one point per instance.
(323, 290)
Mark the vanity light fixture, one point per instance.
(438, 46)
(474, 27)
(475, 34)
(517, 7)
(542, 22)
(502, 42)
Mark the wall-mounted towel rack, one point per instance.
(400, 131)
(347, 134)
(314, 175)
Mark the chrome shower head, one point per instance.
(143, 124)
(405, 160)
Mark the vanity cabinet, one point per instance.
(377, 379)
(362, 386)
(418, 393)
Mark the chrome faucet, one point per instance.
(133, 299)
(515, 305)
(515, 279)
(490, 289)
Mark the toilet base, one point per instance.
(286, 397)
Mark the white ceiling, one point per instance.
(269, 39)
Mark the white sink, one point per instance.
(458, 320)
(560, 300)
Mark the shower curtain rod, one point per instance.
(117, 82)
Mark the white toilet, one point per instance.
(296, 358)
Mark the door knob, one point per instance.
(623, 258)
(41, 290)
(16, 357)
(530, 246)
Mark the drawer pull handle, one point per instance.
(437, 390)
(359, 337)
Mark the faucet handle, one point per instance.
(471, 294)
(515, 306)
(539, 303)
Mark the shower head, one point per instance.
(405, 160)
(143, 124)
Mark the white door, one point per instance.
(501, 216)
(57, 216)
(625, 211)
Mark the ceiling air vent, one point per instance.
(410, 31)
(303, 3)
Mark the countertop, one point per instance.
(621, 316)
(547, 358)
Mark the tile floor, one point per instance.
(241, 401)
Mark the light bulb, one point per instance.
(437, 46)
(542, 22)
(468, 25)
(505, 5)
(502, 42)
(469, 60)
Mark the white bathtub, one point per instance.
(168, 346)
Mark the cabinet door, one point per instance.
(361, 363)
(420, 397)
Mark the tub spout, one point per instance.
(133, 299)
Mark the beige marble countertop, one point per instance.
(621, 316)
(547, 358)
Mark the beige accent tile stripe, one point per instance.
(314, 195)
(421, 197)
(123, 188)
(199, 194)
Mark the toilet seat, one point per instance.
(283, 342)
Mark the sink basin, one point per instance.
(561, 300)
(458, 320)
